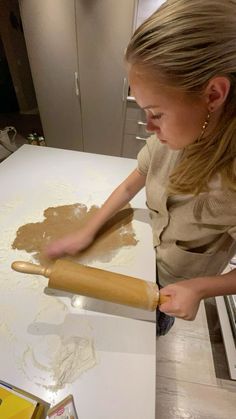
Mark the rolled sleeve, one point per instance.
(232, 232)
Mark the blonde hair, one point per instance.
(186, 43)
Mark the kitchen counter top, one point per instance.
(36, 328)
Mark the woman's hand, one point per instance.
(71, 244)
(78, 241)
(184, 301)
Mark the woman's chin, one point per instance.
(162, 140)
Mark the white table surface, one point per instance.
(122, 383)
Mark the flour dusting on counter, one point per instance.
(75, 356)
(69, 360)
(56, 353)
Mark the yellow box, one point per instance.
(15, 406)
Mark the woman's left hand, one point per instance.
(184, 299)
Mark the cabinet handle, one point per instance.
(125, 90)
(76, 83)
(142, 123)
(141, 138)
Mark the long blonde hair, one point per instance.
(187, 42)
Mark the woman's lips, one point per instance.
(162, 140)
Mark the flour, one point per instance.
(51, 308)
(7, 208)
(69, 360)
(14, 213)
(75, 356)
(5, 332)
(53, 356)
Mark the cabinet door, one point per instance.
(49, 28)
(104, 28)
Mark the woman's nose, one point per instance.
(150, 127)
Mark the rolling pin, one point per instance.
(97, 283)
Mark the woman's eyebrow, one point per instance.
(151, 106)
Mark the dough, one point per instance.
(62, 220)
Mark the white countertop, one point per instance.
(122, 383)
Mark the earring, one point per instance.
(204, 127)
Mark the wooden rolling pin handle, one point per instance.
(163, 299)
(31, 268)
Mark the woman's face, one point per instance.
(176, 118)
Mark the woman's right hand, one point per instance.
(70, 244)
(76, 242)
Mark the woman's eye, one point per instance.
(157, 116)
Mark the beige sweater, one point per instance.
(193, 235)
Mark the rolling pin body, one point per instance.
(97, 283)
(104, 285)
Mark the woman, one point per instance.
(182, 72)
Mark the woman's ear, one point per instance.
(216, 92)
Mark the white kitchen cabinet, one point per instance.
(104, 28)
(49, 29)
(76, 52)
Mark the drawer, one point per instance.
(136, 127)
(132, 145)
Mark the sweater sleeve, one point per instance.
(232, 232)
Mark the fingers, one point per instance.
(58, 248)
(69, 245)
(55, 250)
(186, 313)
